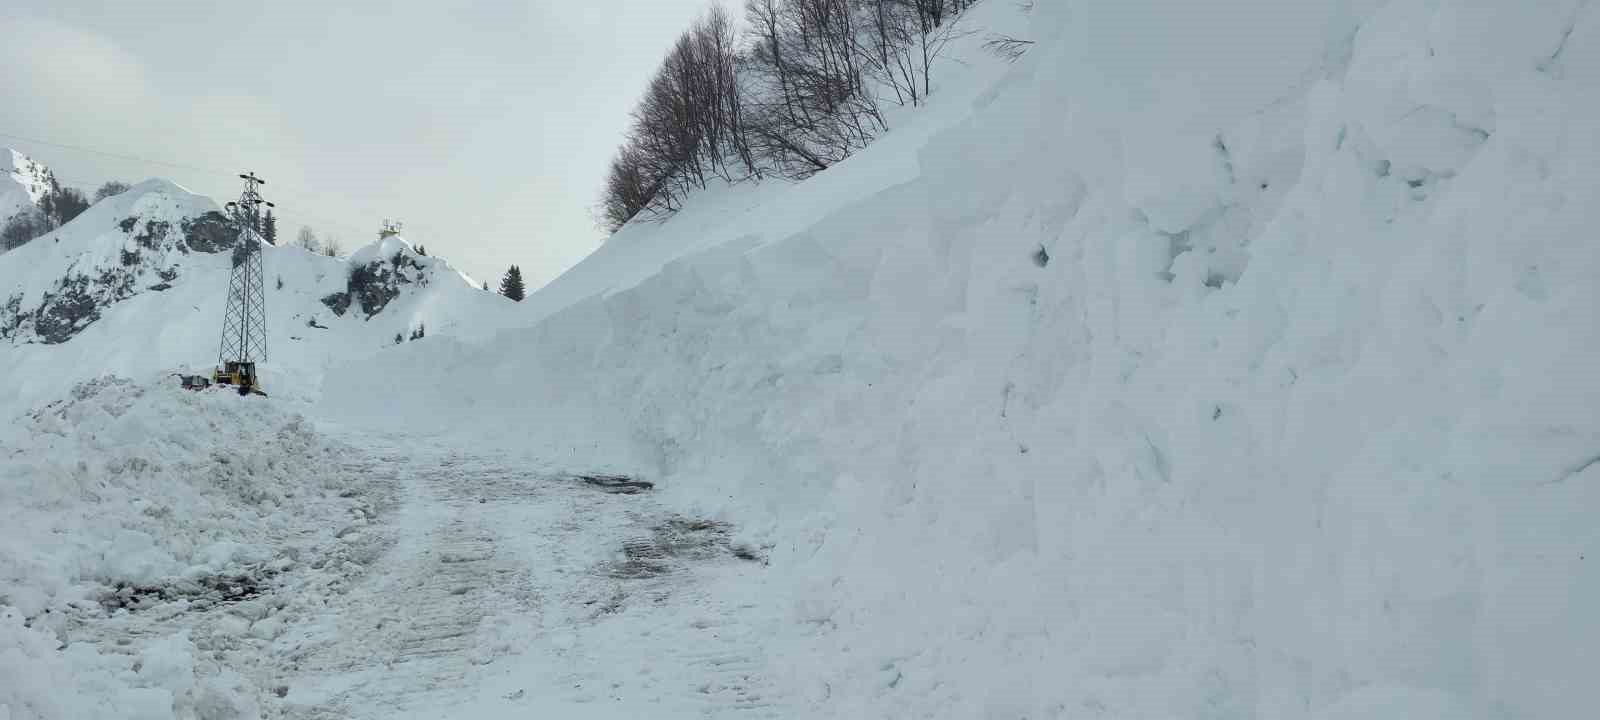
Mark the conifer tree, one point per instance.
(269, 228)
(511, 285)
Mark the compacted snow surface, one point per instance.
(1218, 360)
(321, 573)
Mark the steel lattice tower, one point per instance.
(244, 325)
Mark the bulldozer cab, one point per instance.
(241, 375)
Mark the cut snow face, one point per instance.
(1219, 359)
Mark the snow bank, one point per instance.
(141, 485)
(1230, 361)
(141, 482)
(39, 679)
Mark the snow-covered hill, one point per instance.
(137, 283)
(113, 480)
(1213, 360)
(1227, 359)
(23, 182)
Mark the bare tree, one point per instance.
(629, 188)
(686, 130)
(1006, 47)
(109, 189)
(808, 105)
(796, 93)
(890, 47)
(331, 246)
(307, 240)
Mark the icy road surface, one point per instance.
(466, 587)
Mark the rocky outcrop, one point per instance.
(373, 285)
(148, 259)
(212, 232)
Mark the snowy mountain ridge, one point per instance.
(130, 243)
(23, 183)
(153, 262)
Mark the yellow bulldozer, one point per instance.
(241, 375)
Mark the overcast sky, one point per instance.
(485, 125)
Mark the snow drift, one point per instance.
(128, 491)
(1214, 360)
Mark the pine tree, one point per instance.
(269, 228)
(511, 285)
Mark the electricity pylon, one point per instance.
(244, 324)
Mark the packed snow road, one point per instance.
(467, 586)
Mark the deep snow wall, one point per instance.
(1222, 360)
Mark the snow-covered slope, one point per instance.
(126, 245)
(119, 490)
(23, 182)
(1213, 360)
(138, 283)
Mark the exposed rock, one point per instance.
(210, 233)
(375, 284)
(337, 302)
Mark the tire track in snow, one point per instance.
(706, 651)
(635, 586)
(411, 639)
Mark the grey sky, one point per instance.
(484, 126)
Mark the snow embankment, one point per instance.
(1227, 360)
(131, 494)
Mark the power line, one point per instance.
(295, 217)
(295, 189)
(120, 156)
